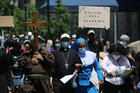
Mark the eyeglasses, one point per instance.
(82, 46)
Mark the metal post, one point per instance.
(115, 27)
(48, 16)
(12, 14)
(100, 33)
(25, 9)
(12, 7)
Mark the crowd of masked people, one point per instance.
(24, 70)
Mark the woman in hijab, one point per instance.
(89, 62)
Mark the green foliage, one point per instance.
(60, 20)
(19, 17)
(5, 8)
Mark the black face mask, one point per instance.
(91, 38)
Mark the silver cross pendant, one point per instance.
(66, 65)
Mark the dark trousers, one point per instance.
(41, 84)
(59, 87)
(111, 88)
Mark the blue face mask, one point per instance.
(123, 44)
(39, 46)
(82, 50)
(65, 44)
(116, 57)
(43, 44)
(57, 45)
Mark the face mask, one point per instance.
(116, 57)
(57, 45)
(43, 44)
(39, 46)
(82, 50)
(65, 44)
(123, 44)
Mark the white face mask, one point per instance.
(116, 57)
(124, 44)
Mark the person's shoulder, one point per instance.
(130, 49)
(56, 51)
(90, 52)
(107, 57)
(73, 51)
(44, 52)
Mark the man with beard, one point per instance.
(67, 62)
(37, 69)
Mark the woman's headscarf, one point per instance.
(75, 45)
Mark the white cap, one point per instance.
(26, 41)
(124, 37)
(29, 33)
(74, 36)
(91, 31)
(64, 35)
(21, 35)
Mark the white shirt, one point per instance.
(109, 64)
(88, 58)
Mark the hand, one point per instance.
(100, 82)
(135, 88)
(101, 57)
(82, 27)
(78, 65)
(35, 61)
(38, 56)
(106, 28)
(113, 74)
(75, 72)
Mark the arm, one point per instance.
(107, 35)
(104, 66)
(98, 69)
(78, 64)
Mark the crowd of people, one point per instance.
(24, 70)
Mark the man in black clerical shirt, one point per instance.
(67, 62)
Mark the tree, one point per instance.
(60, 21)
(19, 17)
(5, 8)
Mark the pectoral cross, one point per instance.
(35, 24)
(66, 65)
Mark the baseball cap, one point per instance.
(124, 37)
(65, 35)
(91, 31)
(30, 33)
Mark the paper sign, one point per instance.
(94, 78)
(126, 72)
(66, 78)
(94, 17)
(6, 21)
